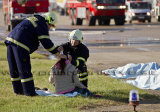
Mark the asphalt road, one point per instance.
(113, 46)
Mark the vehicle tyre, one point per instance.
(100, 22)
(158, 18)
(149, 20)
(119, 21)
(107, 22)
(14, 23)
(130, 21)
(77, 21)
(91, 21)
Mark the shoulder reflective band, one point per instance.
(81, 58)
(18, 43)
(82, 74)
(32, 20)
(15, 79)
(51, 49)
(43, 36)
(77, 63)
(26, 80)
(83, 79)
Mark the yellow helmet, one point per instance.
(76, 35)
(51, 18)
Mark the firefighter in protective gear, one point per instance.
(76, 35)
(78, 54)
(24, 40)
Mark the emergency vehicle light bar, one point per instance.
(112, 7)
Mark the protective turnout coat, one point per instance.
(29, 32)
(79, 59)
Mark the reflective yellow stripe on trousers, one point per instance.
(26, 80)
(15, 79)
(18, 43)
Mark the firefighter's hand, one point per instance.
(70, 58)
(60, 48)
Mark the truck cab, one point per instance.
(138, 10)
(15, 11)
(92, 10)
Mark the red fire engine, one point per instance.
(102, 10)
(16, 10)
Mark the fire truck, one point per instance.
(15, 11)
(92, 10)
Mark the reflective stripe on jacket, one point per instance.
(29, 33)
(79, 58)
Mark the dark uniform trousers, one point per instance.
(21, 42)
(20, 70)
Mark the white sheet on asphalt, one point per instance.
(147, 75)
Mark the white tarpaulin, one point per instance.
(147, 81)
(132, 70)
(147, 75)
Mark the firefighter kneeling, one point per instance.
(78, 54)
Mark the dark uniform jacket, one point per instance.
(79, 59)
(29, 32)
